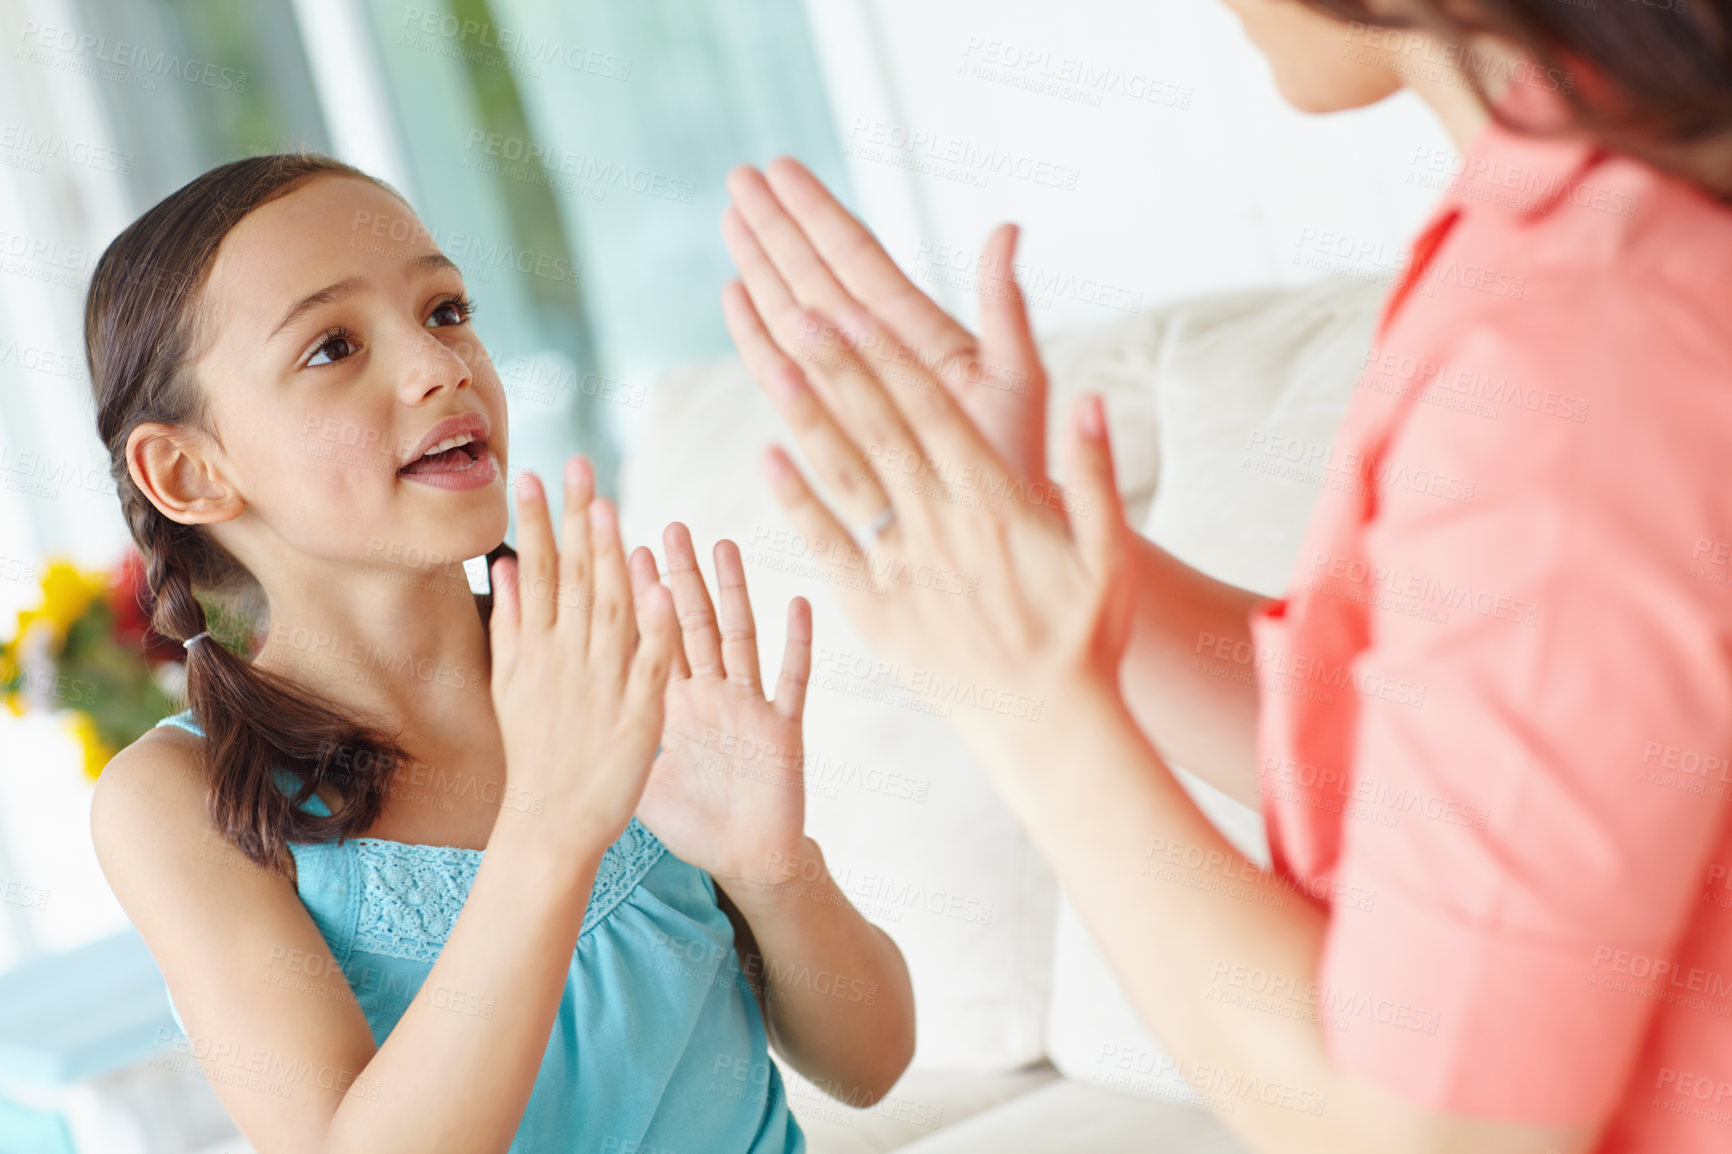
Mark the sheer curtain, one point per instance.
(607, 128)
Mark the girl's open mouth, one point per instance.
(457, 462)
(452, 455)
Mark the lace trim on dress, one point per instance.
(411, 894)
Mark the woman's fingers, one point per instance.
(644, 574)
(773, 307)
(1009, 357)
(796, 661)
(1003, 312)
(780, 238)
(739, 630)
(840, 464)
(612, 628)
(769, 292)
(1004, 386)
(862, 267)
(697, 618)
(503, 622)
(860, 361)
(802, 333)
(575, 561)
(798, 331)
(536, 557)
(812, 518)
(1099, 522)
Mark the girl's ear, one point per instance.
(180, 471)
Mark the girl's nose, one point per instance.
(433, 367)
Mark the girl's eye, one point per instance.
(452, 311)
(338, 344)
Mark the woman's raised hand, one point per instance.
(794, 243)
(578, 679)
(998, 592)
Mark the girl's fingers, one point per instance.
(703, 645)
(863, 268)
(644, 574)
(652, 664)
(537, 576)
(612, 628)
(739, 631)
(575, 562)
(796, 661)
(838, 461)
(503, 622)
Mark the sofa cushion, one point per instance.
(923, 1103)
(1244, 383)
(1070, 1115)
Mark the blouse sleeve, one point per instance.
(1552, 813)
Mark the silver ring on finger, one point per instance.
(877, 527)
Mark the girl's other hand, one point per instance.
(577, 681)
(727, 792)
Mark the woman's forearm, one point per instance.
(1220, 958)
(837, 998)
(457, 1070)
(1184, 675)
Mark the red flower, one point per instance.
(130, 600)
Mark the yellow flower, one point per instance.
(67, 592)
(83, 728)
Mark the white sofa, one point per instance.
(1025, 1043)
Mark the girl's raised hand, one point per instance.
(727, 792)
(577, 679)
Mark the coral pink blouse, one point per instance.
(1496, 703)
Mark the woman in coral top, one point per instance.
(1489, 723)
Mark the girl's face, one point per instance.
(340, 356)
(1321, 64)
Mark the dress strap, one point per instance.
(183, 720)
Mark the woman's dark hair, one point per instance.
(1650, 78)
(141, 336)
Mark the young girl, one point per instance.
(388, 862)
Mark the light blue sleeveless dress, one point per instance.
(658, 1044)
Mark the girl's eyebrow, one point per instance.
(436, 261)
(324, 296)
